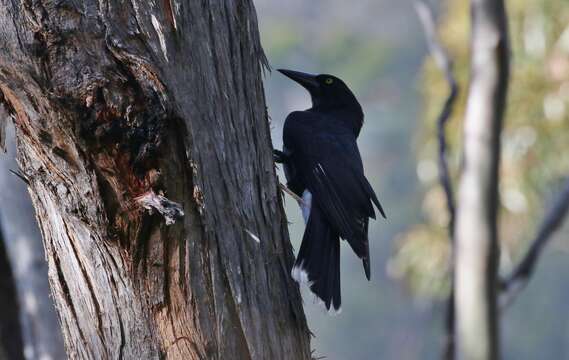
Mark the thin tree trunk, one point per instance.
(40, 326)
(477, 213)
(131, 116)
(445, 64)
(11, 345)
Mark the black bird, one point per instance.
(322, 165)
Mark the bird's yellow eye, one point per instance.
(328, 81)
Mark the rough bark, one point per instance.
(476, 254)
(117, 100)
(40, 326)
(11, 345)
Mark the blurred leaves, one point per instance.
(535, 137)
(422, 258)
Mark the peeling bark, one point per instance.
(113, 100)
(40, 325)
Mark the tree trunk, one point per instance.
(11, 345)
(476, 218)
(40, 325)
(143, 133)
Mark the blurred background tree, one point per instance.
(533, 166)
(378, 48)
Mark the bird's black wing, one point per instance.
(331, 167)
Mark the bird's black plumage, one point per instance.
(323, 165)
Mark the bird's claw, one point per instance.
(279, 156)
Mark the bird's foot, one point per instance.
(279, 156)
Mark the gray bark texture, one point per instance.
(476, 238)
(40, 326)
(142, 131)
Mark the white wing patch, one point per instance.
(300, 275)
(306, 205)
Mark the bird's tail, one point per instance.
(318, 261)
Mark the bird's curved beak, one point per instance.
(308, 81)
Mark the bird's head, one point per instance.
(327, 91)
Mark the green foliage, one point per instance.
(534, 142)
